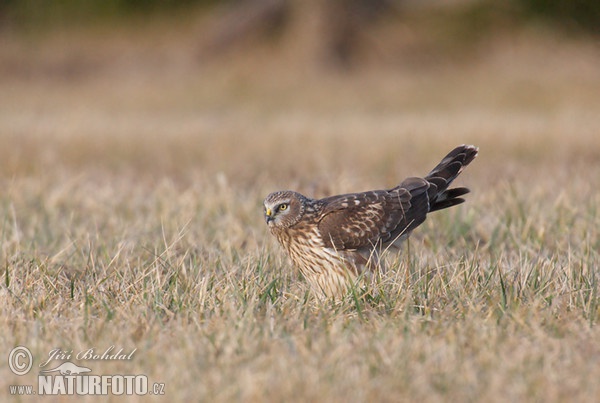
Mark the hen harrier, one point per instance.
(335, 239)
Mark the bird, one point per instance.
(336, 240)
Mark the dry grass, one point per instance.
(131, 216)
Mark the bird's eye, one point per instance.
(283, 207)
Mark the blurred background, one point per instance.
(341, 33)
(173, 86)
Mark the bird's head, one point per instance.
(283, 209)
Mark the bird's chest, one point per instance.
(303, 244)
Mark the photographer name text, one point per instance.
(109, 354)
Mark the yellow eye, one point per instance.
(283, 207)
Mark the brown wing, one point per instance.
(421, 193)
(363, 220)
(358, 220)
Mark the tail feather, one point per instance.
(431, 193)
(444, 173)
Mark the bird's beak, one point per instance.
(268, 215)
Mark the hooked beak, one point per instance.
(268, 215)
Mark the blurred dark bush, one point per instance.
(582, 15)
(42, 13)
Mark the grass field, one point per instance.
(131, 216)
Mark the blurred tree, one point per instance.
(340, 30)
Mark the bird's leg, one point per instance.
(408, 264)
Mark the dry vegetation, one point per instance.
(131, 216)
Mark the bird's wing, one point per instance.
(359, 220)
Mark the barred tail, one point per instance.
(444, 173)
